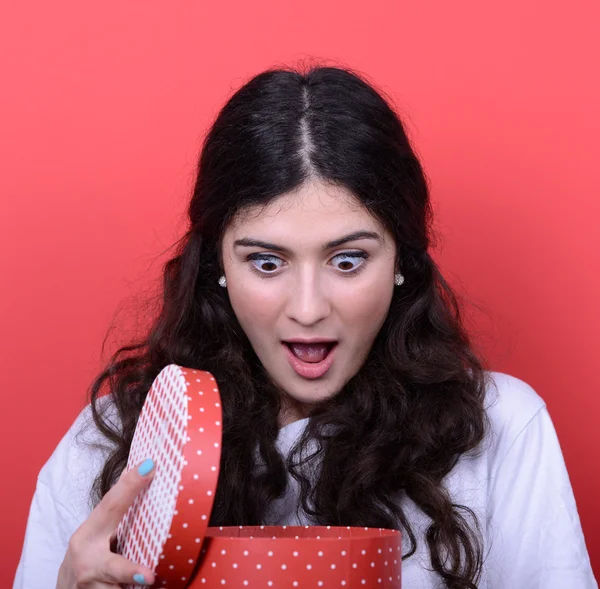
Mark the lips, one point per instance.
(310, 359)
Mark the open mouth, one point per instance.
(311, 353)
(310, 360)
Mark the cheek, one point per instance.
(254, 308)
(364, 310)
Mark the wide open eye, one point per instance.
(265, 263)
(350, 262)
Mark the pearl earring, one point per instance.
(223, 281)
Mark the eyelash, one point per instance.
(269, 257)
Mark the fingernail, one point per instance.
(139, 579)
(146, 466)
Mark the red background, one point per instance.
(102, 110)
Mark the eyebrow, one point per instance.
(357, 235)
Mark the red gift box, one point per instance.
(166, 528)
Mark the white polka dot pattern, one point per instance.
(304, 557)
(180, 429)
(166, 528)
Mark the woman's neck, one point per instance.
(291, 411)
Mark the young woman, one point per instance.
(352, 394)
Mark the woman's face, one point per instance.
(310, 279)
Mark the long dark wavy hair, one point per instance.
(402, 422)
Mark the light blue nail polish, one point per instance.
(146, 466)
(139, 579)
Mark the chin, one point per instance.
(311, 393)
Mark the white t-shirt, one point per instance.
(516, 483)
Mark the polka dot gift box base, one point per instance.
(167, 530)
(303, 557)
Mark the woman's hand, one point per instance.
(89, 562)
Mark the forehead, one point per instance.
(315, 211)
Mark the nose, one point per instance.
(308, 302)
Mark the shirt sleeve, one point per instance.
(533, 525)
(50, 526)
(61, 501)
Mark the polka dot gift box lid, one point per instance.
(166, 528)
